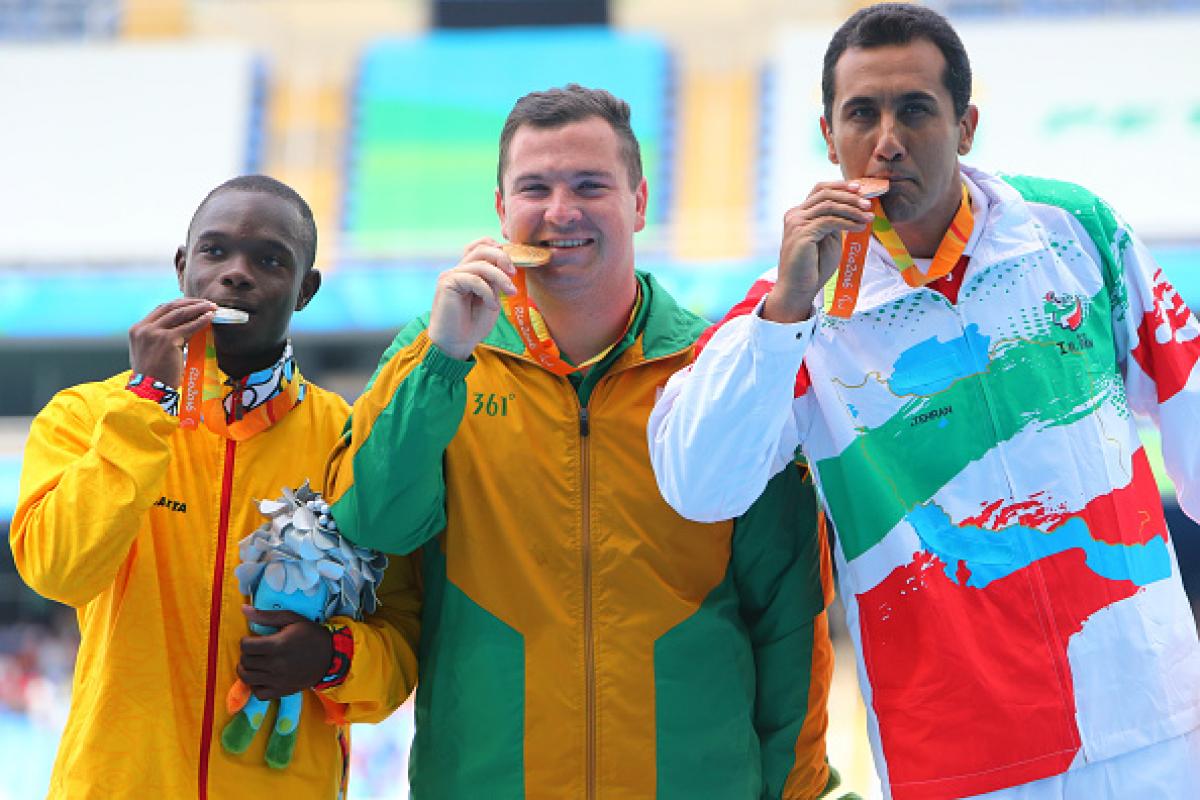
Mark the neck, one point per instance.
(583, 324)
(239, 365)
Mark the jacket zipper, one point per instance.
(1042, 603)
(589, 655)
(214, 621)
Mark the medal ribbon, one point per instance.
(531, 327)
(202, 395)
(192, 386)
(854, 254)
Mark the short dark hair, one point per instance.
(900, 23)
(268, 185)
(556, 107)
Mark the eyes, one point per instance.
(911, 112)
(915, 110)
(265, 257)
(584, 187)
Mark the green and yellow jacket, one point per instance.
(579, 638)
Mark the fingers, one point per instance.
(481, 279)
(260, 683)
(272, 619)
(156, 343)
(488, 251)
(183, 308)
(810, 248)
(829, 208)
(175, 321)
(483, 241)
(466, 302)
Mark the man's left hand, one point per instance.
(294, 658)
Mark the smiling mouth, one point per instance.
(565, 244)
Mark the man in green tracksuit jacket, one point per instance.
(579, 638)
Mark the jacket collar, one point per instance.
(663, 326)
(1005, 230)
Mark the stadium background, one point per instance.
(118, 115)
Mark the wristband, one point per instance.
(155, 391)
(343, 653)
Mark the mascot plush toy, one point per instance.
(297, 561)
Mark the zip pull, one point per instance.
(584, 428)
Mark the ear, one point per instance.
(827, 133)
(966, 130)
(309, 285)
(180, 265)
(640, 197)
(501, 214)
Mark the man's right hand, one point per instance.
(812, 247)
(466, 302)
(156, 343)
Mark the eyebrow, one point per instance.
(587, 173)
(871, 100)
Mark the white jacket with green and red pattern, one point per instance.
(1005, 565)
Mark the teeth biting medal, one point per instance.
(229, 316)
(526, 255)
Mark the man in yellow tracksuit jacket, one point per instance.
(579, 638)
(135, 522)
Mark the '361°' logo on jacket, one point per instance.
(492, 404)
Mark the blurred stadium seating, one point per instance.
(125, 112)
(428, 111)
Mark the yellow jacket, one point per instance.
(135, 523)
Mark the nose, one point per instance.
(561, 209)
(236, 272)
(888, 146)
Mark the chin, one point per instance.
(900, 210)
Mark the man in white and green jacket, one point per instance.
(1009, 579)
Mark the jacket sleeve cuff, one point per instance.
(438, 363)
(155, 391)
(781, 337)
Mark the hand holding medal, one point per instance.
(466, 302)
(812, 242)
(156, 342)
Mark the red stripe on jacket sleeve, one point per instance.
(1168, 340)
(757, 292)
